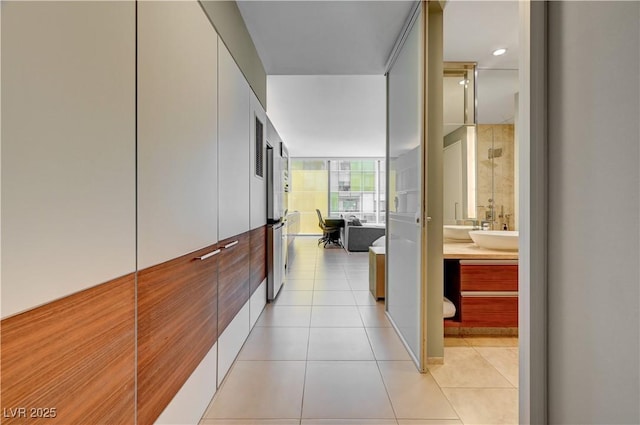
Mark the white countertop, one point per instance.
(468, 250)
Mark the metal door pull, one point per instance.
(209, 255)
(229, 245)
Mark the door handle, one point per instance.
(209, 255)
(231, 245)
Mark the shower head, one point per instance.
(495, 153)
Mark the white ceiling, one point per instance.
(324, 37)
(351, 40)
(474, 29)
(329, 115)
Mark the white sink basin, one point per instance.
(496, 239)
(456, 233)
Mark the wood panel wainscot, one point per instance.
(234, 276)
(72, 360)
(258, 240)
(177, 310)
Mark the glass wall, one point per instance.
(357, 189)
(337, 187)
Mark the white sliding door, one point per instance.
(415, 186)
(405, 191)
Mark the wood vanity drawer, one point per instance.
(488, 277)
(480, 311)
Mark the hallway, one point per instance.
(325, 353)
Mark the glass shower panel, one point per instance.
(404, 243)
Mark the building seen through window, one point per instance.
(337, 187)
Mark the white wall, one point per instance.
(68, 148)
(496, 88)
(593, 280)
(329, 115)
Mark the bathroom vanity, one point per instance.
(483, 285)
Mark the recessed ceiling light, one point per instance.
(499, 52)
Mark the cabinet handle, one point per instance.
(232, 244)
(209, 255)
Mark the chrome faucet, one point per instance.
(474, 223)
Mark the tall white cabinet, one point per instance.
(233, 147)
(68, 148)
(177, 131)
(177, 163)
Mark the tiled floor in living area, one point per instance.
(325, 354)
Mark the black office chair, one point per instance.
(328, 232)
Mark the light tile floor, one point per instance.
(324, 353)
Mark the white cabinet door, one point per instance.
(232, 339)
(233, 147)
(68, 148)
(177, 131)
(258, 157)
(257, 303)
(190, 403)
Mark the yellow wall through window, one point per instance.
(355, 188)
(309, 191)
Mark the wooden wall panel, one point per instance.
(75, 355)
(258, 262)
(234, 276)
(490, 311)
(177, 310)
(489, 277)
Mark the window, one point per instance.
(337, 187)
(357, 188)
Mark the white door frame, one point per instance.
(532, 277)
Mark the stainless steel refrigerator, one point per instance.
(277, 173)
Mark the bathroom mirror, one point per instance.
(497, 148)
(480, 146)
(459, 158)
(459, 175)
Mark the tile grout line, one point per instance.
(384, 384)
(306, 361)
(492, 365)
